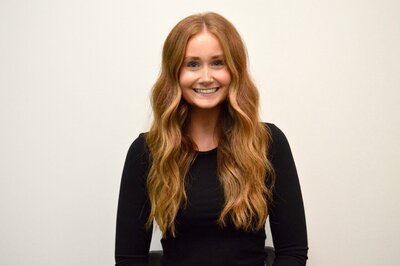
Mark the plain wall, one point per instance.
(75, 80)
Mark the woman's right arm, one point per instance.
(132, 238)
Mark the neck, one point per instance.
(203, 128)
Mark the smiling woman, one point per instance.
(204, 77)
(209, 172)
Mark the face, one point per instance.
(204, 77)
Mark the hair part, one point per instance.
(245, 172)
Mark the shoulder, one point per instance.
(275, 132)
(138, 150)
(139, 143)
(279, 142)
(273, 128)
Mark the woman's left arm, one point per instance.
(286, 214)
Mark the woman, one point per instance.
(208, 171)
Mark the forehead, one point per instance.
(203, 44)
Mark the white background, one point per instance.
(75, 80)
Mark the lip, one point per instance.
(206, 91)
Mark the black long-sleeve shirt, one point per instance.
(199, 239)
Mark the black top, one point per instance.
(199, 239)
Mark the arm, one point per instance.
(287, 218)
(132, 239)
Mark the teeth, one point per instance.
(206, 91)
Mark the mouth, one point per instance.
(206, 91)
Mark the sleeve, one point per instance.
(286, 215)
(132, 241)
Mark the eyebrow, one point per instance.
(198, 58)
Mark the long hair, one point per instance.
(244, 169)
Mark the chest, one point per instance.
(205, 195)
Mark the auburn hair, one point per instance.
(244, 169)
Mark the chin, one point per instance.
(206, 106)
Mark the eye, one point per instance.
(218, 63)
(192, 64)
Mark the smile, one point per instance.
(206, 91)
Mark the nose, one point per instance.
(206, 76)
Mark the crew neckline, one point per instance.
(207, 152)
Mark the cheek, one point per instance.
(185, 79)
(185, 82)
(225, 78)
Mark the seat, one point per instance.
(155, 257)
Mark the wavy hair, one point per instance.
(245, 171)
